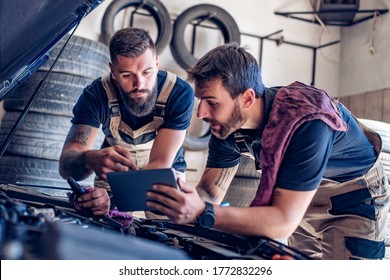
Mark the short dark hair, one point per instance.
(236, 67)
(130, 42)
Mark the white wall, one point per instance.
(361, 70)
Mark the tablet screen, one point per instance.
(129, 188)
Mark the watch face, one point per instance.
(207, 220)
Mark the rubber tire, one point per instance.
(38, 172)
(57, 96)
(385, 158)
(224, 21)
(242, 189)
(383, 129)
(39, 135)
(247, 169)
(47, 127)
(192, 143)
(30, 171)
(81, 57)
(154, 7)
(241, 192)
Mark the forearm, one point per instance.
(208, 196)
(165, 148)
(74, 164)
(214, 183)
(158, 163)
(276, 221)
(267, 221)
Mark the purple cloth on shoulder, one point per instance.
(293, 105)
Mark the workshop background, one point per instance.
(341, 46)
(349, 57)
(347, 54)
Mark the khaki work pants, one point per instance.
(346, 220)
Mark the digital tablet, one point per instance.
(129, 187)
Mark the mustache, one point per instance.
(207, 120)
(139, 91)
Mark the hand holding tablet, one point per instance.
(129, 188)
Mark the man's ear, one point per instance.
(248, 98)
(157, 61)
(111, 69)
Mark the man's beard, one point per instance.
(137, 106)
(236, 120)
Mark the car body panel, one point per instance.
(30, 29)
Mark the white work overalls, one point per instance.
(140, 153)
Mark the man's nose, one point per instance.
(202, 110)
(138, 81)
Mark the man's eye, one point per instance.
(148, 73)
(212, 103)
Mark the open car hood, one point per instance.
(29, 30)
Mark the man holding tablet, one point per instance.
(322, 183)
(144, 113)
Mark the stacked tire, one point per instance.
(243, 188)
(32, 157)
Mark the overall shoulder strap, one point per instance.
(111, 95)
(166, 90)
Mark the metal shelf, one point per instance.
(279, 41)
(269, 37)
(372, 14)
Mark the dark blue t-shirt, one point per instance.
(92, 109)
(315, 152)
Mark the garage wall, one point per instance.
(364, 84)
(365, 55)
(344, 69)
(340, 67)
(355, 69)
(282, 64)
(373, 105)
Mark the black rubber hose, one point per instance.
(192, 143)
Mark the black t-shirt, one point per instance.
(92, 109)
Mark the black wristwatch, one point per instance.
(207, 218)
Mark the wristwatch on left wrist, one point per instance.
(207, 218)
